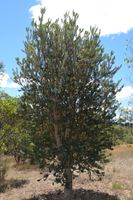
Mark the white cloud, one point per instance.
(111, 17)
(126, 92)
(5, 81)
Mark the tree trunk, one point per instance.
(68, 184)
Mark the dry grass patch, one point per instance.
(116, 185)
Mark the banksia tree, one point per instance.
(69, 93)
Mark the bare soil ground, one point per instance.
(21, 181)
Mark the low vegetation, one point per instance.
(21, 181)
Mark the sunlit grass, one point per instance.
(118, 186)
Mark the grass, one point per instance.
(118, 186)
(21, 181)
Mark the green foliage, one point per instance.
(122, 135)
(126, 116)
(14, 137)
(69, 96)
(124, 129)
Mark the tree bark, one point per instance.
(68, 184)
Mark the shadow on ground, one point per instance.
(79, 194)
(13, 183)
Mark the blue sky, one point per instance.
(14, 18)
(114, 18)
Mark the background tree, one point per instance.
(1, 71)
(14, 136)
(1, 96)
(126, 119)
(129, 50)
(3, 167)
(1, 67)
(129, 58)
(69, 92)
